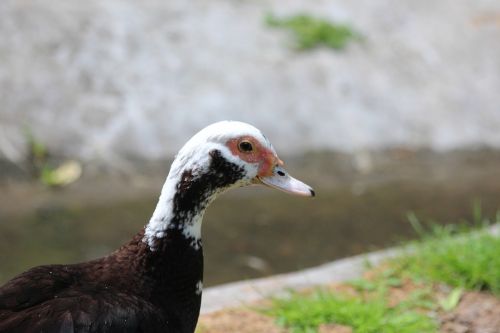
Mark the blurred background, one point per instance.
(388, 108)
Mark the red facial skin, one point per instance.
(259, 154)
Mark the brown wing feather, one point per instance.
(35, 286)
(52, 299)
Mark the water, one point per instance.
(257, 232)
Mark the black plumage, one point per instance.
(134, 289)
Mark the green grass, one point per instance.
(303, 314)
(455, 256)
(458, 256)
(311, 32)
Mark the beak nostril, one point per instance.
(281, 173)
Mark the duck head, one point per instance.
(221, 156)
(237, 154)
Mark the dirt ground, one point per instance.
(477, 312)
(237, 320)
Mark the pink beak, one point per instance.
(281, 180)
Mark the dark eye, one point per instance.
(245, 146)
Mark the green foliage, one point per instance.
(37, 151)
(454, 255)
(63, 175)
(312, 32)
(371, 315)
(38, 159)
(366, 312)
(451, 301)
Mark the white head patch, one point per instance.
(194, 157)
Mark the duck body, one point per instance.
(131, 290)
(154, 282)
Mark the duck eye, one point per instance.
(245, 146)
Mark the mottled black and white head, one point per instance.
(221, 156)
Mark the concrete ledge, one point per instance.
(237, 293)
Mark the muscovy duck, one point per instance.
(154, 282)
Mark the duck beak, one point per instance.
(281, 180)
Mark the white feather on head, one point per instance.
(195, 156)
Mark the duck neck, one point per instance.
(179, 212)
(170, 250)
(174, 260)
(186, 194)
